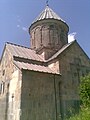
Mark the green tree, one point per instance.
(85, 91)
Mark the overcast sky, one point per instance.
(17, 15)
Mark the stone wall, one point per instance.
(40, 96)
(9, 87)
(50, 33)
(6, 70)
(14, 101)
(3, 109)
(73, 63)
(48, 36)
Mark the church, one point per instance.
(41, 82)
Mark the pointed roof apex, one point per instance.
(47, 2)
(47, 13)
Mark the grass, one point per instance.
(84, 114)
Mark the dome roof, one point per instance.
(48, 13)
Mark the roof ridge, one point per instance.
(18, 45)
(69, 43)
(61, 50)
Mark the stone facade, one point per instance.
(6, 69)
(39, 94)
(48, 36)
(73, 64)
(10, 88)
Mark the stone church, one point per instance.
(41, 82)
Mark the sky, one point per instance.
(16, 16)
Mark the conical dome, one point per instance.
(47, 13)
(48, 33)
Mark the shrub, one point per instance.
(84, 88)
(83, 115)
(85, 91)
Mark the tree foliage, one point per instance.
(85, 91)
(84, 88)
(83, 115)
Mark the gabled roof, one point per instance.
(48, 13)
(34, 67)
(28, 54)
(23, 52)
